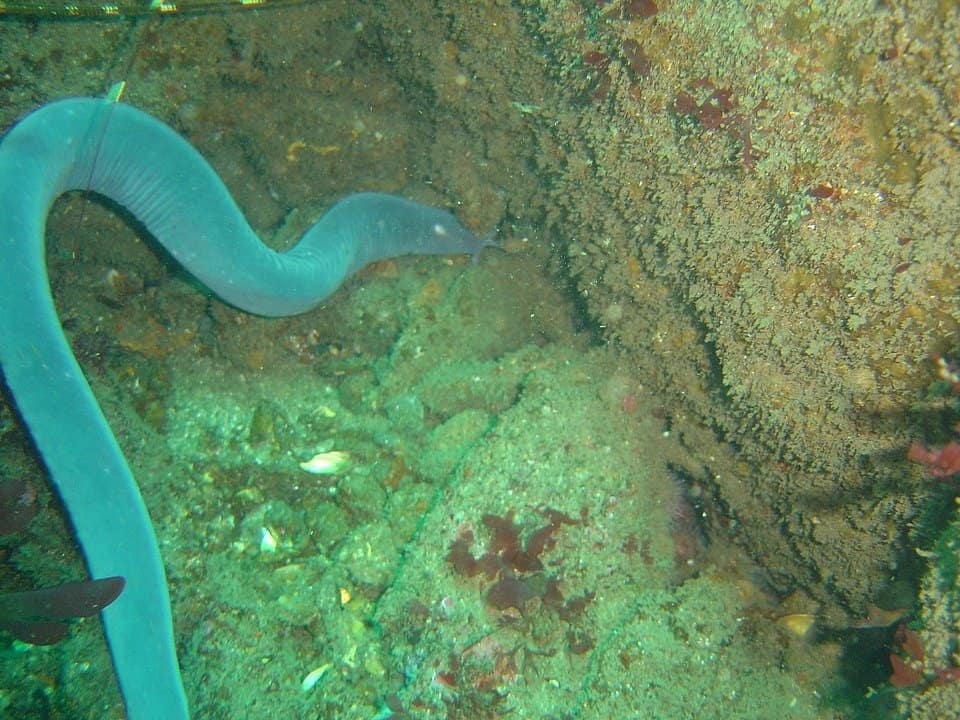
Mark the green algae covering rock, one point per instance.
(562, 540)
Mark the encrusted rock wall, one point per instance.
(760, 206)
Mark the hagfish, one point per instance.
(138, 162)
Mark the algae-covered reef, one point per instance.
(760, 208)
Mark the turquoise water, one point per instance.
(523, 524)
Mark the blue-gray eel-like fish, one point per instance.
(138, 162)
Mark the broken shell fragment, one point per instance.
(328, 463)
(268, 540)
(797, 624)
(313, 677)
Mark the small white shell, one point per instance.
(313, 677)
(268, 541)
(328, 463)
